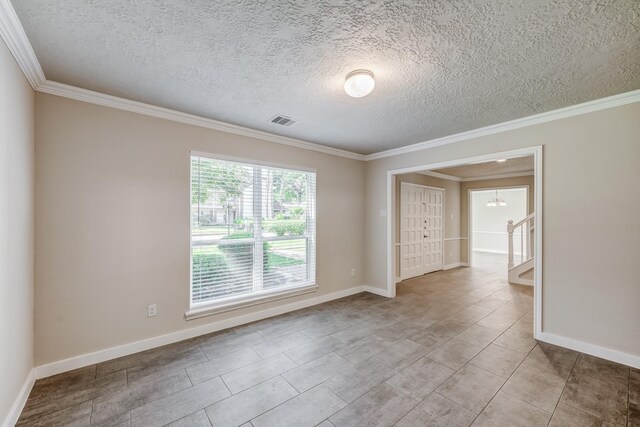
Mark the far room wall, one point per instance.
(482, 184)
(488, 226)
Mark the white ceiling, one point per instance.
(441, 67)
(518, 165)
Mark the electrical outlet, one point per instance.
(353, 272)
(152, 310)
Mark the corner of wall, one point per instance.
(17, 231)
(20, 401)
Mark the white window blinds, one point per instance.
(252, 229)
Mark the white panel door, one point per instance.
(421, 212)
(411, 228)
(434, 205)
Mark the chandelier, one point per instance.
(497, 201)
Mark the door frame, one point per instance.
(470, 213)
(536, 151)
(442, 221)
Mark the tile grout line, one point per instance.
(207, 415)
(174, 393)
(189, 377)
(575, 362)
(629, 399)
(600, 381)
(299, 394)
(264, 412)
(503, 384)
(150, 401)
(90, 398)
(203, 352)
(403, 393)
(449, 377)
(93, 405)
(428, 396)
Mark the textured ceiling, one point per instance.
(476, 170)
(441, 67)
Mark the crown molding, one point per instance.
(72, 92)
(441, 175)
(498, 176)
(562, 113)
(475, 178)
(13, 34)
(16, 40)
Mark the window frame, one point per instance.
(221, 305)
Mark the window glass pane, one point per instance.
(221, 196)
(253, 229)
(284, 263)
(285, 202)
(222, 270)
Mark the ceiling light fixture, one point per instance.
(501, 160)
(496, 202)
(359, 83)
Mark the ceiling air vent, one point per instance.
(282, 120)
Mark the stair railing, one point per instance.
(525, 227)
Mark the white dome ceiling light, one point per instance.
(359, 83)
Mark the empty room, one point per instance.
(319, 213)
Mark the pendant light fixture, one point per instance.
(496, 202)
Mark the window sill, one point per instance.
(247, 301)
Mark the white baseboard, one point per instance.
(454, 265)
(444, 267)
(76, 362)
(523, 282)
(495, 251)
(21, 400)
(591, 349)
(491, 251)
(377, 291)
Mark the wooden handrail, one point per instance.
(519, 223)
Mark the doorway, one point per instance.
(421, 229)
(436, 169)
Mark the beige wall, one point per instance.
(488, 183)
(451, 206)
(16, 230)
(101, 258)
(112, 190)
(591, 236)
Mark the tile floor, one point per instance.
(454, 348)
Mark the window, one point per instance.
(252, 232)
